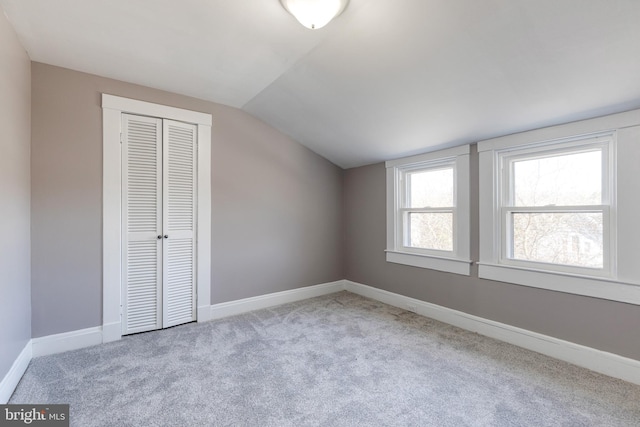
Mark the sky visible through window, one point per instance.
(566, 180)
(431, 188)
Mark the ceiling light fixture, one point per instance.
(314, 14)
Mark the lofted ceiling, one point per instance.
(384, 80)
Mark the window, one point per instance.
(555, 206)
(428, 210)
(559, 208)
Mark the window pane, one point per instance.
(430, 188)
(558, 238)
(563, 180)
(431, 231)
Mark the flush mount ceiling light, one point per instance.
(314, 14)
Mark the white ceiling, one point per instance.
(384, 80)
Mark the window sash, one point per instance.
(405, 188)
(506, 203)
(507, 248)
(403, 210)
(404, 230)
(508, 160)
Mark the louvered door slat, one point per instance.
(142, 223)
(179, 223)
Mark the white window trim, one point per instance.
(622, 282)
(112, 109)
(458, 261)
(605, 142)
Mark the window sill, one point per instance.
(591, 286)
(449, 265)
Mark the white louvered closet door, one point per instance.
(179, 194)
(158, 240)
(141, 224)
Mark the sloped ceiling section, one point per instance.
(386, 79)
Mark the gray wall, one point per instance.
(15, 194)
(279, 212)
(605, 325)
(276, 206)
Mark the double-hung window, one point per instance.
(428, 210)
(559, 208)
(555, 206)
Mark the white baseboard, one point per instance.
(73, 340)
(603, 362)
(11, 380)
(232, 308)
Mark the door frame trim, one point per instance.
(112, 109)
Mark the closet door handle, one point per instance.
(159, 237)
(166, 236)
